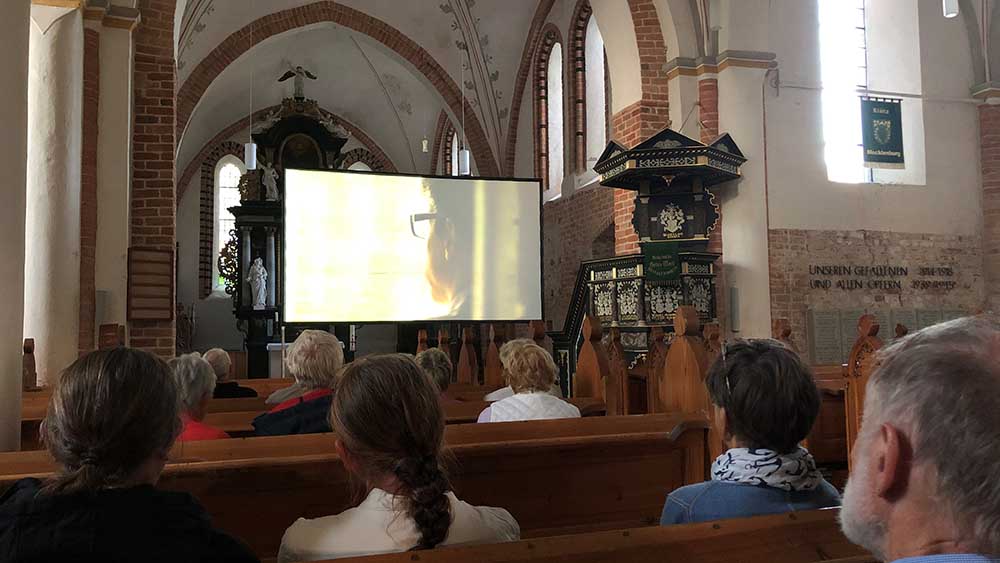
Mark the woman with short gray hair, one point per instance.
(196, 382)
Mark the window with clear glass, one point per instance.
(454, 154)
(555, 121)
(596, 89)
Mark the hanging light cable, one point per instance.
(464, 156)
(250, 148)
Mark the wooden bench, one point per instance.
(555, 476)
(799, 537)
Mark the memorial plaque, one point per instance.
(952, 314)
(905, 317)
(825, 338)
(926, 318)
(849, 330)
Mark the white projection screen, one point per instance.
(365, 247)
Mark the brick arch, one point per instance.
(206, 214)
(378, 163)
(450, 136)
(578, 82)
(328, 11)
(443, 123)
(192, 168)
(549, 37)
(523, 71)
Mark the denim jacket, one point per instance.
(716, 500)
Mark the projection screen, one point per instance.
(365, 247)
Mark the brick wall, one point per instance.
(989, 131)
(574, 229)
(791, 252)
(88, 188)
(153, 204)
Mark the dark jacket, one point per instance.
(115, 525)
(232, 390)
(306, 416)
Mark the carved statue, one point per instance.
(299, 74)
(269, 177)
(257, 278)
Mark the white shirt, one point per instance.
(504, 392)
(529, 406)
(375, 527)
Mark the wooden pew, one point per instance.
(592, 368)
(800, 537)
(860, 364)
(556, 476)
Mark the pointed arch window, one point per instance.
(228, 172)
(548, 88)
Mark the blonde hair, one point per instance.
(527, 366)
(195, 379)
(220, 361)
(315, 358)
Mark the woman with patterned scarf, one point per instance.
(766, 400)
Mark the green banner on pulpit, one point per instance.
(661, 261)
(882, 132)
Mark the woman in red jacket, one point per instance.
(196, 382)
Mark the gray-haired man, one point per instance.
(925, 486)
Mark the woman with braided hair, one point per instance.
(111, 422)
(390, 432)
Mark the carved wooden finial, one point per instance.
(422, 340)
(868, 325)
(686, 321)
(468, 363)
(537, 331)
(492, 368)
(591, 329)
(901, 330)
(616, 383)
(592, 363)
(29, 377)
(443, 341)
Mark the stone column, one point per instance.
(14, 115)
(245, 233)
(52, 217)
(270, 266)
(745, 236)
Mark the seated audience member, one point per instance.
(766, 402)
(224, 389)
(313, 360)
(390, 431)
(110, 425)
(281, 395)
(437, 365)
(195, 382)
(505, 392)
(531, 374)
(923, 485)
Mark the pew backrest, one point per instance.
(801, 537)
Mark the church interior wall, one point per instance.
(931, 217)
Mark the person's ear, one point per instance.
(892, 457)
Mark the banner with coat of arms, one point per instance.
(882, 132)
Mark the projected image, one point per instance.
(370, 247)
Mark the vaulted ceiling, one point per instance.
(364, 73)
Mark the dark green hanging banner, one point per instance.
(661, 261)
(882, 131)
